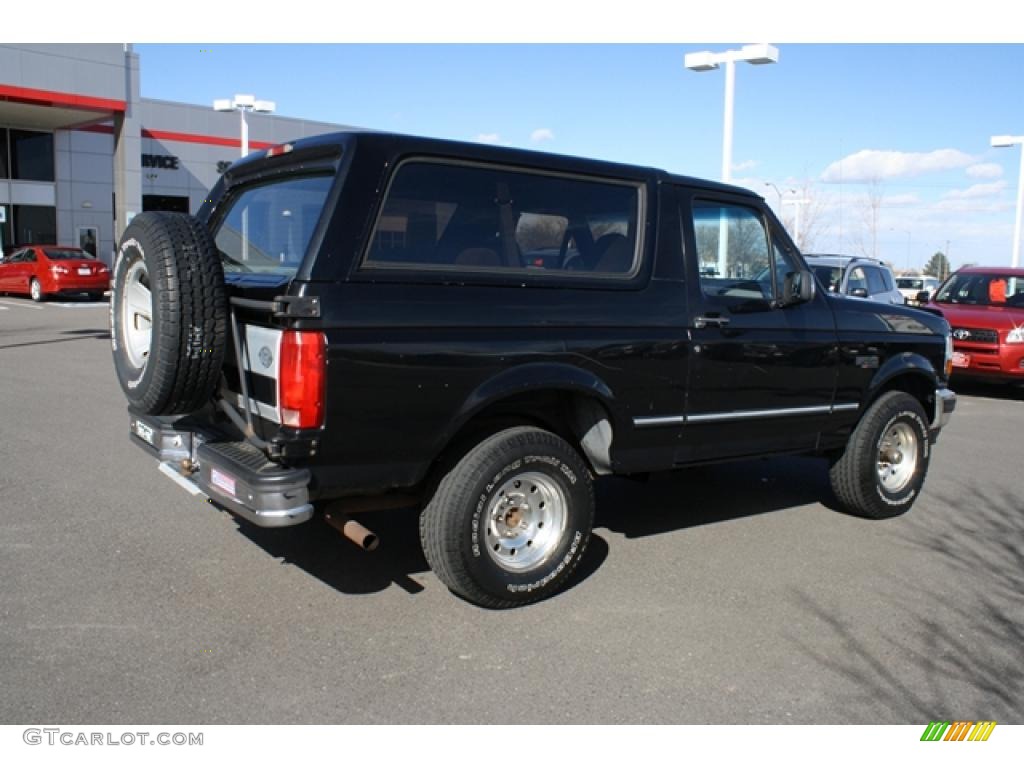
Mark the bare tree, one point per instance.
(812, 215)
(867, 237)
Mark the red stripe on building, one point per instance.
(59, 99)
(190, 138)
(195, 138)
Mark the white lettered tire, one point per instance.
(883, 468)
(168, 313)
(511, 521)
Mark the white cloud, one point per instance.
(488, 138)
(976, 191)
(542, 134)
(985, 171)
(871, 164)
(905, 199)
(746, 165)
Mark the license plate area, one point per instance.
(961, 360)
(84, 271)
(223, 481)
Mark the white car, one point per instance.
(911, 285)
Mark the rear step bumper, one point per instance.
(234, 474)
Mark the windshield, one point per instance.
(65, 255)
(910, 283)
(268, 228)
(983, 289)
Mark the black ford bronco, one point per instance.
(386, 320)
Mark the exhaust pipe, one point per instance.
(355, 532)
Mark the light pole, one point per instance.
(242, 103)
(704, 61)
(1009, 141)
(797, 203)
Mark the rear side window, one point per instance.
(477, 218)
(267, 228)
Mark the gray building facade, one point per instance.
(81, 151)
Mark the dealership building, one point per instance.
(81, 152)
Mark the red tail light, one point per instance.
(303, 375)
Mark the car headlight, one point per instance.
(1016, 336)
(949, 355)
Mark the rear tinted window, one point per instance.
(268, 228)
(55, 254)
(473, 218)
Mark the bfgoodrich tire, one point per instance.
(883, 468)
(168, 313)
(509, 523)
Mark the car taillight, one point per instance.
(59, 269)
(302, 378)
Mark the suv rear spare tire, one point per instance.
(168, 313)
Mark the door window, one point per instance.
(858, 280)
(733, 254)
(875, 283)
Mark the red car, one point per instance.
(985, 310)
(46, 270)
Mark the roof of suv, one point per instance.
(838, 260)
(402, 144)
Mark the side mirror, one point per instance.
(797, 287)
(923, 296)
(860, 293)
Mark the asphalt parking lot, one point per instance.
(730, 594)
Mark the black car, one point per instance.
(386, 319)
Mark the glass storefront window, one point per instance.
(3, 153)
(32, 155)
(35, 224)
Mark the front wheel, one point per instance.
(882, 470)
(510, 522)
(35, 290)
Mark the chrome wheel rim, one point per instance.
(525, 521)
(35, 290)
(137, 314)
(897, 457)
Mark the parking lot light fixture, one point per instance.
(242, 103)
(704, 61)
(1009, 141)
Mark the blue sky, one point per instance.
(910, 123)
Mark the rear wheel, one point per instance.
(168, 313)
(35, 290)
(509, 523)
(882, 470)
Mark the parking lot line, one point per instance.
(20, 305)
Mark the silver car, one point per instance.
(855, 276)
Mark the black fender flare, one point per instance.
(532, 377)
(899, 365)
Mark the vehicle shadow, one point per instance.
(697, 496)
(325, 554)
(957, 650)
(675, 501)
(994, 390)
